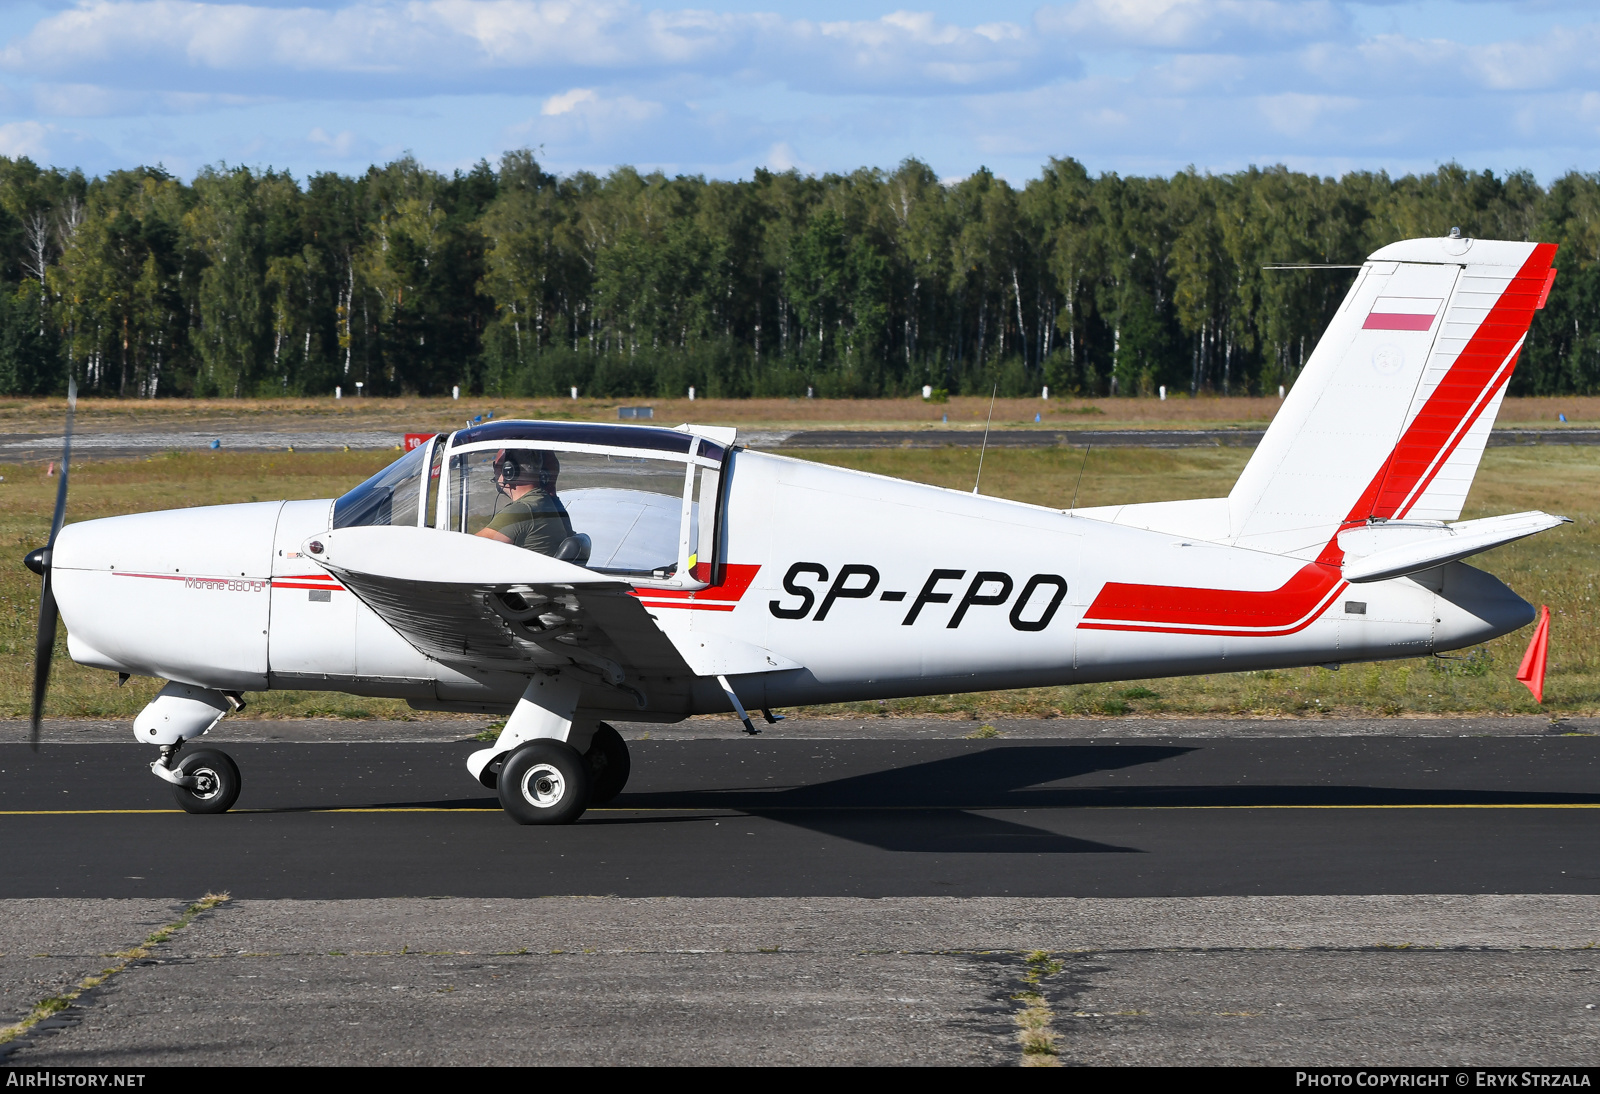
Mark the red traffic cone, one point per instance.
(1531, 672)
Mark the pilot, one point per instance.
(535, 519)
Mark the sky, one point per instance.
(1132, 86)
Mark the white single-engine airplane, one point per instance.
(569, 573)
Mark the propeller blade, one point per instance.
(44, 645)
(66, 460)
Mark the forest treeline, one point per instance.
(516, 281)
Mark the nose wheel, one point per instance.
(210, 782)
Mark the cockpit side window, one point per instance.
(389, 497)
(430, 510)
(627, 510)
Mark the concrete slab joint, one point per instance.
(994, 981)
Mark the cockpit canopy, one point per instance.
(642, 502)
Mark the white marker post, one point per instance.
(574, 393)
(338, 393)
(927, 391)
(1280, 391)
(455, 392)
(691, 395)
(1163, 393)
(1044, 393)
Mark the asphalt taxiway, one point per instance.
(886, 893)
(837, 817)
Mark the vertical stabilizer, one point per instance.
(1390, 416)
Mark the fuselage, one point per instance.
(875, 586)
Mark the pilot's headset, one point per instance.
(526, 468)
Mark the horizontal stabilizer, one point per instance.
(1376, 552)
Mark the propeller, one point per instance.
(38, 560)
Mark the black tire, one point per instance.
(219, 782)
(545, 782)
(609, 765)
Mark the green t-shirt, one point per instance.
(536, 521)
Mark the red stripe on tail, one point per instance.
(1482, 369)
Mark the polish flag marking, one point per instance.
(1403, 313)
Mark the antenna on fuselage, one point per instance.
(985, 446)
(1087, 449)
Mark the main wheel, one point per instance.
(545, 782)
(218, 782)
(608, 765)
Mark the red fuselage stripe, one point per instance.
(736, 580)
(308, 582)
(702, 607)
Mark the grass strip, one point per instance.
(57, 1003)
(1555, 568)
(1035, 1033)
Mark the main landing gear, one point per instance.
(549, 765)
(547, 781)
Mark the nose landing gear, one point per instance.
(206, 781)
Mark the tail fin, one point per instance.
(1391, 414)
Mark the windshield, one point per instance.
(389, 497)
(629, 510)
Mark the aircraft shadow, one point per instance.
(921, 807)
(928, 807)
(939, 806)
(989, 779)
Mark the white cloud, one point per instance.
(1193, 24)
(782, 157)
(441, 41)
(1299, 115)
(587, 117)
(567, 101)
(96, 101)
(1129, 85)
(25, 139)
(340, 144)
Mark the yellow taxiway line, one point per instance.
(811, 808)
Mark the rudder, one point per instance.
(1391, 414)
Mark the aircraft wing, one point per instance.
(470, 602)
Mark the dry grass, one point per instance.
(966, 412)
(1555, 568)
(1036, 1033)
